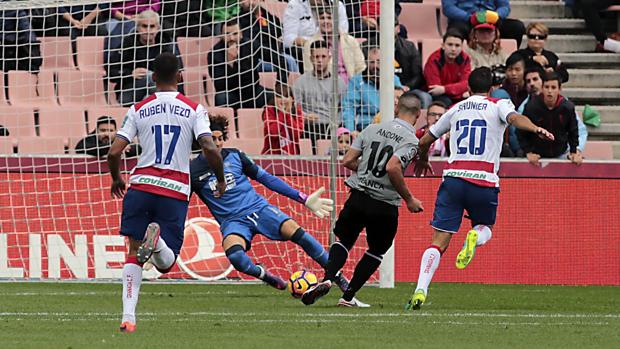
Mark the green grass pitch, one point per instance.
(75, 315)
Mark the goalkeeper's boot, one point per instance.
(316, 292)
(145, 251)
(417, 299)
(353, 303)
(128, 327)
(271, 280)
(467, 252)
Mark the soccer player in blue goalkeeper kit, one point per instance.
(243, 213)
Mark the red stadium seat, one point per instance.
(57, 53)
(41, 145)
(210, 90)
(18, 120)
(305, 147)
(62, 122)
(194, 85)
(194, 51)
(268, 80)
(420, 20)
(428, 47)
(250, 122)
(117, 113)
(32, 90)
(230, 115)
(275, 7)
(90, 53)
(251, 146)
(6, 145)
(81, 88)
(323, 146)
(598, 150)
(3, 100)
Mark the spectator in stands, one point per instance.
(20, 49)
(534, 83)
(484, 47)
(447, 70)
(557, 114)
(123, 15)
(440, 147)
(408, 66)
(299, 25)
(313, 92)
(591, 13)
(98, 142)
(535, 52)
(234, 67)
(283, 123)
(188, 18)
(264, 29)
(84, 20)
(345, 138)
(361, 102)
(513, 86)
(350, 56)
(398, 91)
(462, 14)
(130, 68)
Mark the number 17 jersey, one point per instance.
(476, 127)
(165, 124)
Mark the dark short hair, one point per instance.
(452, 32)
(166, 67)
(437, 104)
(409, 102)
(480, 80)
(551, 76)
(316, 44)
(105, 119)
(219, 123)
(230, 23)
(535, 68)
(514, 58)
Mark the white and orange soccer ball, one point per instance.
(300, 282)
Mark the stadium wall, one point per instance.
(559, 224)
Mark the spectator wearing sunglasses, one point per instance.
(535, 52)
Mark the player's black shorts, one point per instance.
(361, 211)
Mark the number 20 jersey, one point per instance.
(378, 144)
(165, 124)
(476, 127)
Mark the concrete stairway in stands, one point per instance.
(594, 77)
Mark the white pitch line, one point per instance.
(111, 293)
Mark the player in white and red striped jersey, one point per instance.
(470, 180)
(155, 206)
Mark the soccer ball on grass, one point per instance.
(300, 282)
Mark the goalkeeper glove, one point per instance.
(320, 206)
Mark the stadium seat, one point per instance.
(194, 51)
(251, 146)
(268, 80)
(230, 114)
(210, 92)
(3, 100)
(275, 7)
(250, 122)
(57, 53)
(305, 147)
(428, 47)
(62, 122)
(18, 120)
(117, 113)
(323, 146)
(509, 46)
(90, 53)
(6, 145)
(41, 145)
(194, 85)
(32, 90)
(598, 150)
(80, 88)
(420, 20)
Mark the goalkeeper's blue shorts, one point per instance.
(265, 221)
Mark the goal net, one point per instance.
(70, 70)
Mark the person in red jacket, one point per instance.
(447, 70)
(283, 123)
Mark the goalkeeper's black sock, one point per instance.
(338, 255)
(364, 269)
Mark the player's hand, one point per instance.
(533, 159)
(422, 167)
(318, 205)
(544, 134)
(576, 158)
(414, 205)
(118, 189)
(220, 189)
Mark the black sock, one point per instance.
(337, 258)
(364, 269)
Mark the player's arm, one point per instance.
(352, 156)
(522, 122)
(394, 170)
(114, 160)
(214, 158)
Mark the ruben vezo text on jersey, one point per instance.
(162, 108)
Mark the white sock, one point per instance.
(162, 257)
(484, 234)
(132, 278)
(430, 262)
